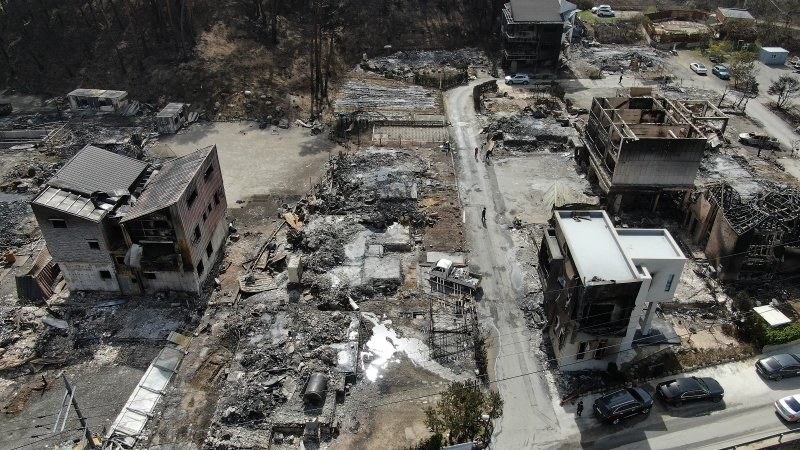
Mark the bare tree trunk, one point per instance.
(116, 14)
(274, 21)
(4, 52)
(328, 66)
(121, 62)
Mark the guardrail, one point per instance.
(754, 441)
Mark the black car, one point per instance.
(675, 392)
(779, 366)
(623, 403)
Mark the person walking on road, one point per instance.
(483, 216)
(620, 78)
(579, 411)
(476, 153)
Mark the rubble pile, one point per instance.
(28, 176)
(280, 346)
(614, 59)
(19, 329)
(128, 141)
(395, 100)
(17, 227)
(402, 64)
(379, 185)
(324, 245)
(526, 133)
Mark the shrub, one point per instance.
(434, 442)
(742, 302)
(585, 5)
(782, 335)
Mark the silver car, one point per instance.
(789, 407)
(519, 78)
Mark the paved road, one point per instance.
(584, 89)
(746, 413)
(772, 124)
(529, 420)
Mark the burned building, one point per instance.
(172, 118)
(747, 228)
(532, 32)
(646, 144)
(114, 223)
(602, 286)
(98, 99)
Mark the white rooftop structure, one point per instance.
(775, 49)
(773, 317)
(648, 244)
(594, 246)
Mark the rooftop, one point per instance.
(650, 116)
(93, 169)
(534, 11)
(775, 49)
(103, 93)
(171, 109)
(737, 13)
(594, 246)
(71, 203)
(771, 315)
(648, 243)
(167, 185)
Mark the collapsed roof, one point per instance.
(774, 207)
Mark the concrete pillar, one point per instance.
(616, 204)
(513, 67)
(655, 203)
(648, 318)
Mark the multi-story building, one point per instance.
(602, 286)
(532, 32)
(747, 227)
(114, 223)
(644, 145)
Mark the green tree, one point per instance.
(720, 50)
(786, 87)
(743, 72)
(460, 409)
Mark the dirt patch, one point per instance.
(24, 392)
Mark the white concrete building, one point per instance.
(602, 286)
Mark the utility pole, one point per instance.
(69, 396)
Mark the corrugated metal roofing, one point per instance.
(536, 11)
(70, 203)
(166, 187)
(93, 169)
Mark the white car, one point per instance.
(519, 78)
(606, 13)
(698, 68)
(789, 407)
(597, 8)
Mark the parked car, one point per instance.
(698, 68)
(623, 403)
(606, 13)
(778, 367)
(789, 407)
(721, 72)
(759, 140)
(519, 78)
(675, 392)
(597, 8)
